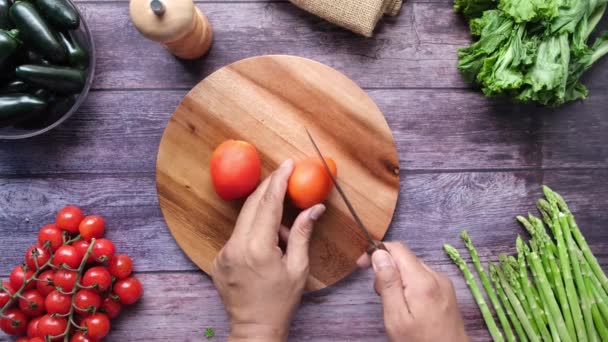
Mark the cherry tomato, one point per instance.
(58, 303)
(310, 183)
(87, 301)
(92, 227)
(67, 255)
(52, 326)
(121, 266)
(19, 275)
(52, 235)
(103, 250)
(99, 277)
(82, 246)
(14, 322)
(45, 283)
(65, 280)
(32, 303)
(6, 293)
(235, 169)
(98, 325)
(128, 290)
(32, 328)
(81, 337)
(36, 256)
(23, 339)
(111, 307)
(69, 218)
(36, 339)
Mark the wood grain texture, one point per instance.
(269, 101)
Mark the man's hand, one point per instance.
(259, 285)
(419, 304)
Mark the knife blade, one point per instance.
(373, 244)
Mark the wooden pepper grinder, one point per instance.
(177, 24)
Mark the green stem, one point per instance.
(596, 303)
(509, 269)
(483, 306)
(508, 307)
(519, 310)
(19, 293)
(485, 281)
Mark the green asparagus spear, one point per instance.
(521, 333)
(519, 310)
(600, 326)
(537, 311)
(600, 304)
(509, 267)
(547, 295)
(504, 322)
(580, 239)
(545, 211)
(483, 306)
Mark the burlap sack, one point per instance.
(360, 16)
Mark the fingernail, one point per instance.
(288, 164)
(316, 212)
(381, 259)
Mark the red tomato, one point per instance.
(128, 290)
(23, 339)
(58, 303)
(111, 307)
(87, 301)
(14, 322)
(6, 293)
(52, 326)
(65, 280)
(32, 303)
(45, 283)
(32, 328)
(235, 169)
(81, 337)
(121, 266)
(103, 250)
(310, 183)
(19, 275)
(82, 246)
(98, 325)
(69, 218)
(99, 277)
(67, 255)
(52, 235)
(36, 257)
(92, 227)
(36, 339)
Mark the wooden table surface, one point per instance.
(466, 161)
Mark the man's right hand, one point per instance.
(419, 304)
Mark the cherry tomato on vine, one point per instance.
(99, 277)
(121, 266)
(235, 169)
(68, 255)
(52, 235)
(81, 337)
(98, 325)
(19, 275)
(6, 293)
(65, 280)
(128, 290)
(32, 328)
(14, 322)
(45, 283)
(87, 301)
(111, 307)
(82, 246)
(69, 218)
(92, 227)
(32, 303)
(36, 257)
(310, 183)
(58, 303)
(103, 250)
(52, 326)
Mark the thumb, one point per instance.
(388, 284)
(299, 238)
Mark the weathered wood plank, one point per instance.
(432, 209)
(414, 49)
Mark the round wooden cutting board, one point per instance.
(268, 101)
